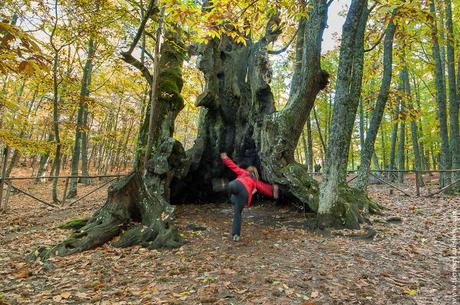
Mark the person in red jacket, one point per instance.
(242, 189)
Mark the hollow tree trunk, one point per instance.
(239, 116)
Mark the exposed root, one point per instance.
(74, 224)
(350, 211)
(369, 234)
(128, 201)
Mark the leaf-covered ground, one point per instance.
(277, 262)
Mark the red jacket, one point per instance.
(248, 181)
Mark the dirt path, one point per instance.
(276, 262)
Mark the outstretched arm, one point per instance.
(264, 188)
(231, 165)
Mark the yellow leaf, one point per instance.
(410, 292)
(65, 295)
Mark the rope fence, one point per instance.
(373, 173)
(379, 175)
(9, 182)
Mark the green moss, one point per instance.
(74, 224)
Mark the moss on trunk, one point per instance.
(128, 202)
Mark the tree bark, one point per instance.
(348, 88)
(84, 93)
(402, 138)
(453, 96)
(368, 148)
(84, 148)
(57, 139)
(310, 145)
(413, 125)
(142, 198)
(240, 118)
(394, 138)
(154, 104)
(445, 161)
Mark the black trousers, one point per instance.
(238, 197)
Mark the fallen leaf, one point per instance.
(314, 294)
(410, 292)
(65, 295)
(57, 298)
(22, 275)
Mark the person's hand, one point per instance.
(223, 155)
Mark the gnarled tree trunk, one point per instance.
(142, 198)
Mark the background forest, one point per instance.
(156, 90)
(69, 103)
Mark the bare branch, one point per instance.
(286, 47)
(383, 34)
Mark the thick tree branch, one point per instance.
(128, 58)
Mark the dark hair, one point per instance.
(244, 164)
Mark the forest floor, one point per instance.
(276, 262)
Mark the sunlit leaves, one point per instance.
(19, 52)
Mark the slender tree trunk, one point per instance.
(402, 141)
(453, 96)
(375, 161)
(305, 150)
(348, 88)
(84, 93)
(310, 144)
(84, 149)
(154, 92)
(413, 125)
(361, 126)
(394, 138)
(368, 148)
(445, 161)
(384, 155)
(320, 134)
(433, 158)
(57, 139)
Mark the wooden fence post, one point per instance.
(417, 184)
(2, 179)
(65, 191)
